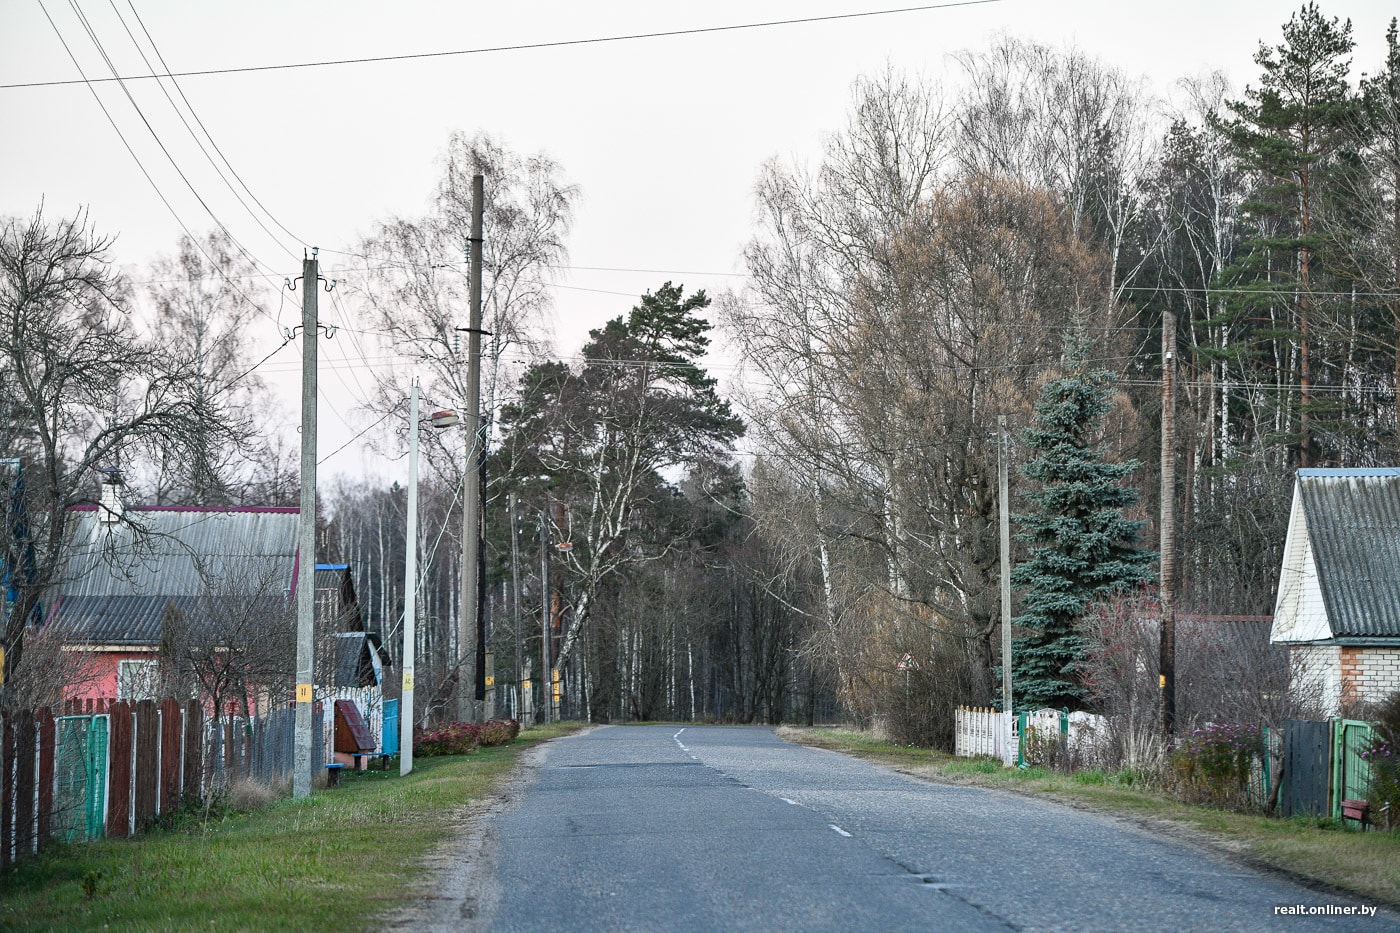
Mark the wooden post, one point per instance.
(193, 771)
(119, 784)
(170, 732)
(147, 762)
(44, 723)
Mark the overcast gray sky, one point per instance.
(665, 136)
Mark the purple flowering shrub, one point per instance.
(1214, 764)
(455, 738)
(1384, 758)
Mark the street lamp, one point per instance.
(438, 419)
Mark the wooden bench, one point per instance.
(333, 774)
(1359, 810)
(362, 757)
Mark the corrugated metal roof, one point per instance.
(1353, 522)
(117, 620)
(119, 579)
(164, 550)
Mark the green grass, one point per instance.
(334, 861)
(1321, 851)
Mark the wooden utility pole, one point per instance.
(1004, 508)
(544, 610)
(515, 603)
(470, 666)
(1167, 589)
(410, 590)
(306, 551)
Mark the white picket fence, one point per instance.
(983, 731)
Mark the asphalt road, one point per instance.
(713, 828)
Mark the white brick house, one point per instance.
(1338, 603)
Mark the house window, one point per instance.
(138, 680)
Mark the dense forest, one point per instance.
(957, 249)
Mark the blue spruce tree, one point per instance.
(1081, 547)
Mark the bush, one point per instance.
(499, 731)
(1384, 757)
(455, 738)
(1213, 765)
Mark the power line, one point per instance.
(139, 164)
(563, 43)
(186, 123)
(205, 129)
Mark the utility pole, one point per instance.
(1004, 508)
(306, 551)
(470, 670)
(1167, 647)
(410, 589)
(515, 603)
(544, 611)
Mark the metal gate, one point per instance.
(1307, 747)
(80, 778)
(1351, 774)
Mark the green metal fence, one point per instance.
(80, 776)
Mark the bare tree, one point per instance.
(81, 391)
(414, 284)
(235, 642)
(202, 306)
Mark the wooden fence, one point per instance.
(117, 766)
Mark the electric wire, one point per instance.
(189, 129)
(139, 164)
(563, 43)
(111, 65)
(207, 134)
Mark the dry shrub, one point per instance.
(1226, 672)
(245, 795)
(919, 703)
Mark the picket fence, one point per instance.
(984, 731)
(108, 768)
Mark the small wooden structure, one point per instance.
(353, 740)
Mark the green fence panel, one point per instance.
(1351, 774)
(96, 809)
(80, 774)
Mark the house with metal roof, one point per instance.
(1338, 605)
(130, 568)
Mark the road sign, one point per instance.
(906, 663)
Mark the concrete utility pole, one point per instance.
(470, 664)
(1004, 508)
(306, 551)
(544, 611)
(410, 589)
(1167, 648)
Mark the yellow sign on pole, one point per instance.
(525, 685)
(303, 693)
(408, 681)
(490, 680)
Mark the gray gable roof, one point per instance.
(1353, 524)
(118, 580)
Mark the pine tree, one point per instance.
(1293, 132)
(1082, 548)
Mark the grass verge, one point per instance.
(1317, 851)
(335, 861)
